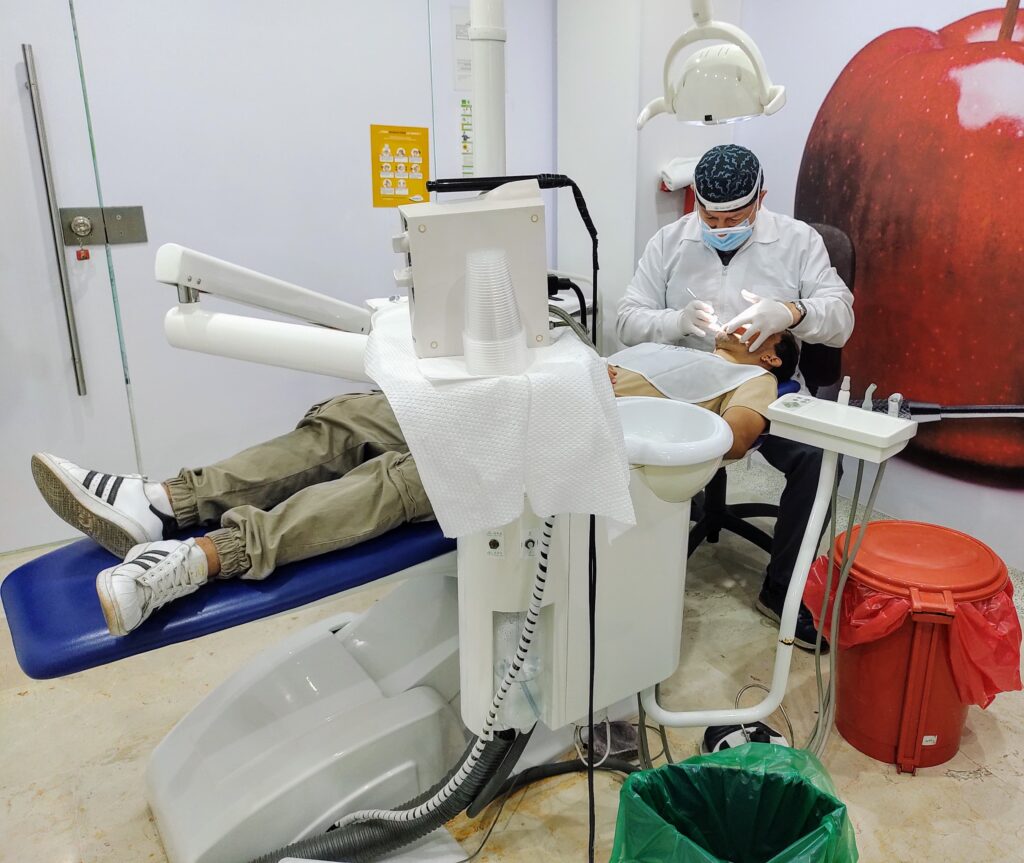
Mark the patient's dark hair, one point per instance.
(787, 350)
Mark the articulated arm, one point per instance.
(335, 348)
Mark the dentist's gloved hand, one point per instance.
(764, 318)
(690, 318)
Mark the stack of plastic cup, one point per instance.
(494, 339)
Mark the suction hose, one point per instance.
(371, 840)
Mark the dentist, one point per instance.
(734, 265)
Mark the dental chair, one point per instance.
(57, 626)
(360, 711)
(821, 367)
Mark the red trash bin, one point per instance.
(897, 693)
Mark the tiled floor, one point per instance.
(73, 751)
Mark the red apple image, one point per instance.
(918, 154)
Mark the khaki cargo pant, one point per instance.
(344, 475)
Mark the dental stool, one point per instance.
(821, 368)
(717, 515)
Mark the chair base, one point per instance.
(719, 516)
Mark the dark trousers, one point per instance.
(801, 464)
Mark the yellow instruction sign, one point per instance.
(399, 164)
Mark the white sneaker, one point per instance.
(153, 574)
(115, 511)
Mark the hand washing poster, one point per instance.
(399, 164)
(917, 152)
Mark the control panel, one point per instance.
(840, 428)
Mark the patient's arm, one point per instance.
(747, 425)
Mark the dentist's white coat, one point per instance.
(784, 259)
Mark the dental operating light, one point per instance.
(721, 83)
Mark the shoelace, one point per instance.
(170, 578)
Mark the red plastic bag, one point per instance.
(984, 648)
(984, 642)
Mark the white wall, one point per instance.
(598, 50)
(806, 44)
(247, 136)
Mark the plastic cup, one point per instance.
(494, 339)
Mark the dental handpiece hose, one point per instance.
(827, 695)
(924, 412)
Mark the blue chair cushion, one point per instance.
(58, 628)
(788, 387)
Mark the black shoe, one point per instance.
(770, 605)
(719, 737)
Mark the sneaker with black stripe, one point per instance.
(117, 511)
(720, 737)
(153, 574)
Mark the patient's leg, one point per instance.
(331, 440)
(369, 500)
(120, 512)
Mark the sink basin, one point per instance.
(678, 446)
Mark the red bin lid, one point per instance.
(901, 557)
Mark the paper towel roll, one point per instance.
(678, 173)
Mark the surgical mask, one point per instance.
(726, 239)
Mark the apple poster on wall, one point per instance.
(918, 154)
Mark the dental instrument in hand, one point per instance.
(715, 325)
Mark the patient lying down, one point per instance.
(732, 382)
(342, 476)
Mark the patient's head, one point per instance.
(779, 353)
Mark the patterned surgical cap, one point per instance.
(727, 177)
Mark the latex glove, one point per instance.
(691, 317)
(763, 319)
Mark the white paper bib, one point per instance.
(685, 374)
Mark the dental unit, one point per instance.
(422, 698)
(522, 589)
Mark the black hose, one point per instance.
(504, 770)
(561, 768)
(591, 799)
(370, 840)
(583, 306)
(642, 747)
(928, 411)
(559, 283)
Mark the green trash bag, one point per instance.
(756, 803)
